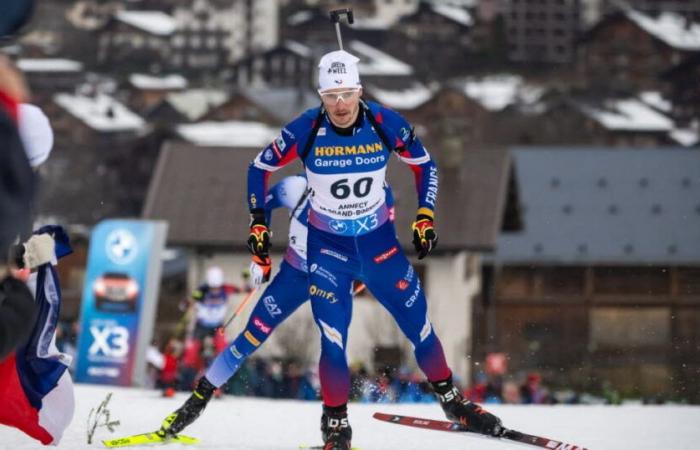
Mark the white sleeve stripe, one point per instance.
(415, 161)
(261, 165)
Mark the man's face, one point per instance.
(342, 105)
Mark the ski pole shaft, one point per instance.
(335, 19)
(238, 310)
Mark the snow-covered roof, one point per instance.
(628, 115)
(300, 17)
(376, 62)
(153, 22)
(228, 134)
(656, 101)
(671, 28)
(49, 65)
(495, 92)
(403, 99)
(101, 112)
(168, 82)
(298, 48)
(194, 103)
(455, 13)
(687, 137)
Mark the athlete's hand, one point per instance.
(259, 237)
(260, 269)
(424, 237)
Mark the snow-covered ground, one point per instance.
(260, 424)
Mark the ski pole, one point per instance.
(335, 19)
(238, 310)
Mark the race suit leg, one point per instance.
(392, 280)
(285, 293)
(331, 272)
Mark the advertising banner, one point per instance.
(119, 301)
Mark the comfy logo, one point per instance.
(262, 326)
(316, 291)
(386, 255)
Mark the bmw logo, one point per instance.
(121, 246)
(338, 226)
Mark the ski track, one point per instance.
(243, 423)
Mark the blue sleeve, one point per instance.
(276, 155)
(411, 151)
(286, 193)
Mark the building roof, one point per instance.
(374, 62)
(628, 114)
(496, 92)
(49, 65)
(153, 22)
(100, 112)
(454, 12)
(284, 103)
(150, 82)
(671, 28)
(194, 103)
(606, 206)
(211, 181)
(228, 134)
(402, 99)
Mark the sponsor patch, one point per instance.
(386, 255)
(332, 334)
(323, 273)
(268, 155)
(236, 354)
(427, 328)
(249, 336)
(402, 285)
(271, 306)
(333, 254)
(281, 145)
(316, 291)
(321, 131)
(262, 326)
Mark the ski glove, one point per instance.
(424, 237)
(38, 250)
(260, 270)
(259, 237)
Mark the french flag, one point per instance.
(35, 386)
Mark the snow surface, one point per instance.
(495, 92)
(403, 99)
(670, 28)
(153, 22)
(194, 103)
(100, 112)
(455, 13)
(49, 65)
(228, 134)
(260, 424)
(167, 82)
(628, 115)
(376, 62)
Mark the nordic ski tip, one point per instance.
(149, 439)
(509, 435)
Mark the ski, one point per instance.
(510, 435)
(149, 439)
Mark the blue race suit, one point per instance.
(350, 236)
(288, 289)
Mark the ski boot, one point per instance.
(335, 428)
(188, 412)
(462, 411)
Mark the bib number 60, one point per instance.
(342, 190)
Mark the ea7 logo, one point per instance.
(271, 306)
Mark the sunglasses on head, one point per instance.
(333, 97)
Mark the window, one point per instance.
(624, 328)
